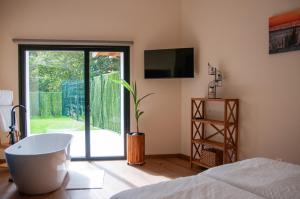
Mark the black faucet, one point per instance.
(13, 123)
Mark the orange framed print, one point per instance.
(284, 32)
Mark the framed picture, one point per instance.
(284, 32)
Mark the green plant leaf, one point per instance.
(127, 86)
(124, 83)
(140, 113)
(144, 97)
(133, 90)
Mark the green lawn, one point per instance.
(43, 125)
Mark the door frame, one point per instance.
(22, 48)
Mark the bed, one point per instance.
(248, 179)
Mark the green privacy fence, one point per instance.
(46, 104)
(73, 99)
(105, 102)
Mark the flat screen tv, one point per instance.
(169, 63)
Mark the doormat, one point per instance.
(85, 179)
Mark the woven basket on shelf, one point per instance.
(212, 157)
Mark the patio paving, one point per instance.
(104, 143)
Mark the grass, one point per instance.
(43, 125)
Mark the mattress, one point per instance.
(264, 177)
(253, 178)
(193, 187)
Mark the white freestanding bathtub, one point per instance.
(38, 164)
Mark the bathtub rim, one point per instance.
(6, 151)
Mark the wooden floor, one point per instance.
(118, 176)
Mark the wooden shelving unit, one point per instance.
(3, 161)
(225, 130)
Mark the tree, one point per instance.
(49, 69)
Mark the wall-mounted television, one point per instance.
(169, 63)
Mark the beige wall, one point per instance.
(150, 24)
(233, 35)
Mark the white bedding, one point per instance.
(268, 178)
(253, 178)
(194, 187)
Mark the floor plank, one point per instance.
(118, 177)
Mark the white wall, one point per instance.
(150, 24)
(233, 35)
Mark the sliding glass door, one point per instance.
(69, 89)
(106, 104)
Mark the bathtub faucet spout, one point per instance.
(13, 123)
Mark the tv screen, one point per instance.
(169, 63)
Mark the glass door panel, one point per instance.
(106, 105)
(68, 89)
(55, 89)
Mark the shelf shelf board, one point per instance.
(4, 146)
(210, 121)
(212, 143)
(3, 165)
(209, 142)
(214, 99)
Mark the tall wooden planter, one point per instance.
(135, 148)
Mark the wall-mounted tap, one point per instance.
(13, 123)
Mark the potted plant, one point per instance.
(135, 140)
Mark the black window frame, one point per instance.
(22, 48)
